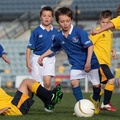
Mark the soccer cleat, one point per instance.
(56, 98)
(48, 108)
(96, 104)
(57, 94)
(108, 107)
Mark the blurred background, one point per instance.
(19, 17)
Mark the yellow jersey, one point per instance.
(103, 46)
(5, 101)
(116, 22)
(117, 72)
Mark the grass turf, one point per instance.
(64, 110)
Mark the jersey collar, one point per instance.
(44, 27)
(71, 28)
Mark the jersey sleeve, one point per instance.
(116, 22)
(56, 45)
(85, 39)
(32, 39)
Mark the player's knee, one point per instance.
(97, 86)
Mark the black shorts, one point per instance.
(22, 101)
(105, 73)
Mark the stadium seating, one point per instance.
(15, 50)
(12, 9)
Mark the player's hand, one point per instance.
(29, 66)
(5, 59)
(4, 109)
(114, 56)
(94, 32)
(87, 67)
(40, 61)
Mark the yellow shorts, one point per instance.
(20, 104)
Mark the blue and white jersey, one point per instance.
(1, 51)
(75, 46)
(41, 40)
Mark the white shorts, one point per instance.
(38, 71)
(93, 75)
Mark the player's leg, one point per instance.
(29, 86)
(108, 78)
(37, 70)
(48, 71)
(47, 82)
(75, 76)
(93, 76)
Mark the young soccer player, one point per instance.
(114, 23)
(22, 101)
(3, 55)
(103, 48)
(40, 41)
(79, 49)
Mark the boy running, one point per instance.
(103, 49)
(79, 49)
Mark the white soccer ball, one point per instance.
(84, 108)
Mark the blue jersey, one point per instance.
(41, 39)
(1, 51)
(75, 46)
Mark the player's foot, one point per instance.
(56, 98)
(108, 107)
(57, 94)
(96, 104)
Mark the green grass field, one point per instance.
(64, 110)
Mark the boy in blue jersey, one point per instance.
(79, 49)
(40, 41)
(3, 55)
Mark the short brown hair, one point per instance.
(106, 14)
(63, 11)
(47, 8)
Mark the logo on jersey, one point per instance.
(53, 36)
(40, 36)
(75, 39)
(103, 36)
(63, 42)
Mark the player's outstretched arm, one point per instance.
(5, 59)
(40, 60)
(108, 26)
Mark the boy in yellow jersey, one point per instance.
(103, 48)
(114, 23)
(22, 101)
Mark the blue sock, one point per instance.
(77, 92)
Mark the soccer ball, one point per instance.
(84, 108)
